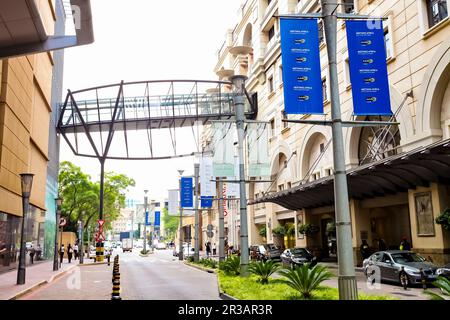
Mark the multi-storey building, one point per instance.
(397, 174)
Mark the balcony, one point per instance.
(238, 50)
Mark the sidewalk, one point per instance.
(36, 275)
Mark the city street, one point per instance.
(159, 276)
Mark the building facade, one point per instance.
(398, 174)
(26, 105)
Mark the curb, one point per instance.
(225, 296)
(200, 267)
(26, 291)
(357, 269)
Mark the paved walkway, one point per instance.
(36, 275)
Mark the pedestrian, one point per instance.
(365, 249)
(69, 252)
(38, 252)
(75, 251)
(404, 278)
(208, 249)
(405, 245)
(61, 253)
(32, 253)
(423, 279)
(214, 249)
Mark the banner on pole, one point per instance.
(368, 67)
(223, 161)
(147, 219)
(187, 194)
(207, 187)
(157, 218)
(300, 54)
(173, 202)
(258, 150)
(206, 201)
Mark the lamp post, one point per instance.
(27, 181)
(180, 250)
(145, 221)
(239, 87)
(80, 237)
(58, 202)
(197, 213)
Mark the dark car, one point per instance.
(265, 252)
(390, 263)
(444, 271)
(297, 256)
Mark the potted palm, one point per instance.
(444, 219)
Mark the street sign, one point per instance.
(210, 234)
(210, 227)
(187, 195)
(101, 223)
(62, 222)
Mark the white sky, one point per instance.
(148, 40)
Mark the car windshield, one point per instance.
(300, 251)
(406, 257)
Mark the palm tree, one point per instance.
(305, 280)
(264, 269)
(443, 284)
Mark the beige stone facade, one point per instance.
(418, 49)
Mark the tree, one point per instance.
(171, 223)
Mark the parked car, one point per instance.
(265, 252)
(187, 250)
(444, 271)
(297, 256)
(161, 246)
(391, 262)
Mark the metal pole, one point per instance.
(99, 244)
(60, 243)
(55, 253)
(145, 221)
(221, 223)
(346, 277)
(239, 87)
(132, 230)
(80, 247)
(180, 249)
(197, 213)
(21, 271)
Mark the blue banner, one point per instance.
(206, 202)
(157, 218)
(301, 66)
(368, 68)
(187, 194)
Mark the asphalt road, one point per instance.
(159, 276)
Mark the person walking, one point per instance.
(405, 245)
(208, 249)
(32, 253)
(214, 249)
(404, 278)
(75, 251)
(61, 253)
(365, 250)
(69, 252)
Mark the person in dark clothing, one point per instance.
(69, 252)
(208, 249)
(32, 253)
(61, 253)
(365, 249)
(405, 245)
(382, 245)
(404, 278)
(423, 279)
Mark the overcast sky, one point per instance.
(148, 40)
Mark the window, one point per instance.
(281, 187)
(289, 185)
(284, 117)
(349, 6)
(321, 32)
(280, 70)
(270, 84)
(327, 172)
(324, 89)
(322, 147)
(437, 11)
(272, 127)
(271, 32)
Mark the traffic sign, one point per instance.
(210, 234)
(101, 223)
(210, 227)
(62, 222)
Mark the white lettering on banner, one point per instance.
(224, 196)
(258, 152)
(223, 149)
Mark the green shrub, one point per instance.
(305, 280)
(263, 232)
(190, 259)
(145, 251)
(264, 269)
(444, 219)
(279, 231)
(443, 284)
(232, 265)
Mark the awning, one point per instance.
(392, 175)
(22, 30)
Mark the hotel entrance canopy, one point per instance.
(23, 30)
(392, 175)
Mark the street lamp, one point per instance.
(180, 250)
(58, 202)
(27, 181)
(145, 221)
(239, 91)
